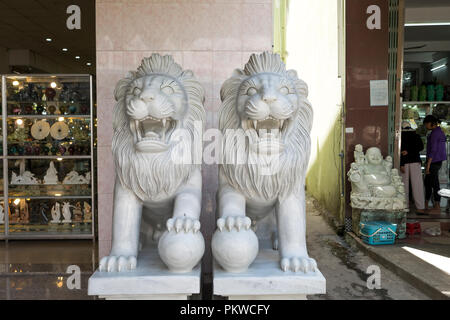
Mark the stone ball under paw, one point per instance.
(181, 251)
(234, 250)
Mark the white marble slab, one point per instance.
(150, 280)
(265, 280)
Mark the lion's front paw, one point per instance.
(183, 224)
(298, 264)
(229, 223)
(117, 263)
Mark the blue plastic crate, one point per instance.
(377, 232)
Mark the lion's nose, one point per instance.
(148, 97)
(268, 98)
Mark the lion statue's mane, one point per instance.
(154, 175)
(247, 178)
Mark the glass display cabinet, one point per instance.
(415, 112)
(47, 157)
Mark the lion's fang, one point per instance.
(164, 122)
(255, 123)
(138, 129)
(281, 124)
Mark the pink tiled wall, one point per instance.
(210, 37)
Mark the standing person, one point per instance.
(411, 166)
(436, 153)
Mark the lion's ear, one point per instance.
(237, 72)
(187, 74)
(302, 88)
(122, 85)
(292, 74)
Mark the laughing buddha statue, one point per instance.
(375, 184)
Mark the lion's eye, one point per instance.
(284, 90)
(167, 90)
(251, 91)
(137, 91)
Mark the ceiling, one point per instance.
(427, 33)
(426, 3)
(25, 24)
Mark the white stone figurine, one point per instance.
(359, 154)
(27, 178)
(74, 177)
(263, 178)
(156, 193)
(375, 185)
(56, 213)
(67, 214)
(2, 215)
(51, 176)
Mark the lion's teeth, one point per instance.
(281, 124)
(255, 123)
(136, 123)
(164, 122)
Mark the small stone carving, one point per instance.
(24, 212)
(15, 217)
(26, 178)
(375, 184)
(359, 154)
(51, 176)
(77, 213)
(150, 187)
(66, 212)
(59, 130)
(2, 215)
(56, 213)
(74, 177)
(87, 212)
(40, 130)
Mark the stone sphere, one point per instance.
(234, 250)
(181, 251)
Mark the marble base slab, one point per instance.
(151, 280)
(264, 280)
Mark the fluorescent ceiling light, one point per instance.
(77, 57)
(88, 63)
(424, 24)
(64, 49)
(48, 39)
(438, 67)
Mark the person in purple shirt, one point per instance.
(436, 153)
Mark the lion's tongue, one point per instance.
(268, 134)
(151, 135)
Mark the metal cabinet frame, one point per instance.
(5, 157)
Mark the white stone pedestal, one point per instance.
(151, 280)
(264, 280)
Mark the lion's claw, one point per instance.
(183, 224)
(117, 263)
(229, 223)
(298, 264)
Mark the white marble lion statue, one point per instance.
(157, 197)
(262, 177)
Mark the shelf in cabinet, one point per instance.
(49, 197)
(48, 102)
(48, 116)
(425, 102)
(47, 157)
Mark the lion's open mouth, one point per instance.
(153, 134)
(267, 134)
(269, 125)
